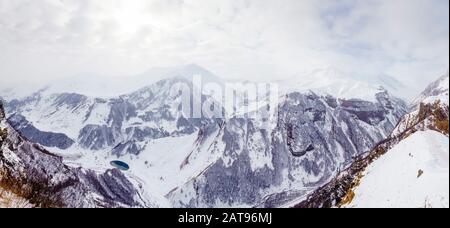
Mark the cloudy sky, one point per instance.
(42, 40)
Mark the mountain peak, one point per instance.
(106, 86)
(438, 90)
(193, 67)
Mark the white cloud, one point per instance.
(46, 39)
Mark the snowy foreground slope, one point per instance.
(415, 173)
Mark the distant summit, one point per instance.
(345, 85)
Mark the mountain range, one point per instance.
(58, 143)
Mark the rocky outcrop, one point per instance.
(2, 111)
(96, 137)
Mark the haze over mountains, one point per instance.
(330, 80)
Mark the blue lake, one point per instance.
(120, 165)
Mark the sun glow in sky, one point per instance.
(130, 16)
(42, 40)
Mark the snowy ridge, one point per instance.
(437, 91)
(413, 174)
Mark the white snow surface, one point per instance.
(393, 181)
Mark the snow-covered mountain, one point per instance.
(32, 176)
(436, 91)
(408, 169)
(312, 139)
(210, 162)
(430, 110)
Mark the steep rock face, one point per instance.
(48, 139)
(430, 112)
(2, 111)
(37, 175)
(314, 137)
(96, 137)
(428, 116)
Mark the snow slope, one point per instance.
(395, 181)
